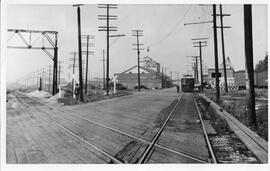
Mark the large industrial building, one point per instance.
(236, 79)
(229, 72)
(150, 75)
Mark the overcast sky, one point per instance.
(163, 28)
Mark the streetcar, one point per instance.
(187, 84)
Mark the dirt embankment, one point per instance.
(235, 103)
(227, 146)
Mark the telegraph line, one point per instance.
(80, 52)
(137, 34)
(107, 29)
(215, 48)
(223, 48)
(88, 44)
(174, 28)
(202, 43)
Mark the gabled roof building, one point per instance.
(150, 75)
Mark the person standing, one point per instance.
(77, 91)
(177, 88)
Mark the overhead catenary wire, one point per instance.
(174, 28)
(114, 41)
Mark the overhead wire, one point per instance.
(174, 28)
(115, 40)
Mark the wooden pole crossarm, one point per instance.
(119, 35)
(29, 47)
(203, 22)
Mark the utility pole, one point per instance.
(74, 65)
(194, 69)
(40, 81)
(222, 43)
(215, 49)
(37, 78)
(80, 51)
(103, 62)
(86, 72)
(138, 33)
(196, 72)
(43, 77)
(178, 78)
(55, 62)
(162, 77)
(33, 80)
(202, 43)
(50, 78)
(251, 112)
(216, 54)
(108, 28)
(165, 77)
(87, 54)
(196, 66)
(73, 71)
(59, 72)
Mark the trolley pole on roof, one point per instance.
(252, 121)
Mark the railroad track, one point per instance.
(25, 100)
(257, 145)
(29, 102)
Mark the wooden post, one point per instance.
(200, 46)
(223, 49)
(216, 54)
(80, 54)
(251, 112)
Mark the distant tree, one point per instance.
(262, 65)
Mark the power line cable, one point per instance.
(115, 40)
(173, 29)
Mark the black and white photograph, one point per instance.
(122, 82)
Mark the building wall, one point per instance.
(230, 77)
(260, 78)
(240, 78)
(230, 73)
(130, 80)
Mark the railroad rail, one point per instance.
(253, 142)
(35, 111)
(114, 159)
